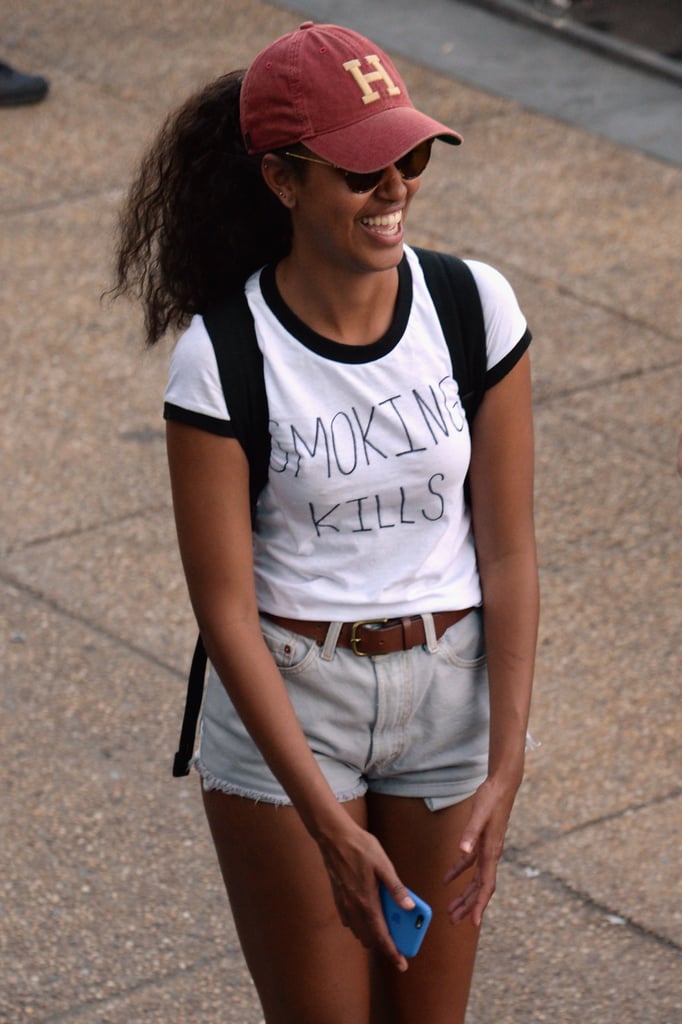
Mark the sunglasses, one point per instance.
(409, 167)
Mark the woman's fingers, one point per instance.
(355, 873)
(481, 844)
(365, 919)
(475, 897)
(460, 866)
(399, 893)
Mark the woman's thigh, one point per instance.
(423, 844)
(307, 967)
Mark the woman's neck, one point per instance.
(352, 307)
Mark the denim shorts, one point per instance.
(412, 723)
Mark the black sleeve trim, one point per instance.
(501, 369)
(200, 420)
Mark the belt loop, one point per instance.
(331, 640)
(430, 633)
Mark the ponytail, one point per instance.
(199, 218)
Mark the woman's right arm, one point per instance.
(210, 487)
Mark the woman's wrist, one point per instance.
(326, 821)
(506, 768)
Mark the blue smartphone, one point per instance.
(407, 927)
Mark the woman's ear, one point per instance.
(278, 177)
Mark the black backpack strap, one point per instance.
(240, 365)
(193, 700)
(458, 304)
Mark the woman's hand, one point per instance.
(481, 844)
(356, 863)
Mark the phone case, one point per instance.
(407, 927)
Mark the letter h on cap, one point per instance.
(380, 74)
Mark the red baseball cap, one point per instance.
(336, 92)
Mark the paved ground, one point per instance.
(112, 910)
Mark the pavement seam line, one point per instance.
(94, 627)
(606, 382)
(590, 903)
(112, 194)
(673, 794)
(519, 271)
(81, 531)
(66, 1016)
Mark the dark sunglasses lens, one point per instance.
(363, 182)
(414, 163)
(410, 166)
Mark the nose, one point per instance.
(392, 183)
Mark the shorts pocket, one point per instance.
(291, 652)
(463, 643)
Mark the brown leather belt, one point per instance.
(374, 636)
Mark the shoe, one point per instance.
(17, 88)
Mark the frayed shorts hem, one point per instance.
(448, 797)
(211, 783)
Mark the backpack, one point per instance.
(240, 365)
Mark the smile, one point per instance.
(387, 224)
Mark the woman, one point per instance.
(326, 771)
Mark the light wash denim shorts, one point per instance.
(412, 723)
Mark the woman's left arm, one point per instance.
(501, 478)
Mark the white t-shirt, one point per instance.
(363, 514)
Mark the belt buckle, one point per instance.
(355, 639)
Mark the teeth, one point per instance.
(388, 220)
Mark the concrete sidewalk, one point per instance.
(112, 908)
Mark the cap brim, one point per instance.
(379, 140)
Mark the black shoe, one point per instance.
(17, 88)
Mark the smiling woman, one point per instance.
(369, 603)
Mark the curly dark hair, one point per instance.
(199, 218)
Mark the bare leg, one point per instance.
(307, 968)
(422, 845)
